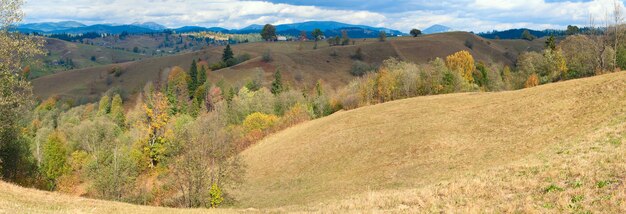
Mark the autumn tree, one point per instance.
(207, 165)
(156, 118)
(416, 32)
(463, 63)
(178, 90)
(507, 78)
(532, 81)
(54, 159)
(15, 91)
(269, 32)
(117, 111)
(104, 105)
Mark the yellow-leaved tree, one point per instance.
(462, 62)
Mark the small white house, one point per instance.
(281, 38)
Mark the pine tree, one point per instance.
(202, 76)
(228, 53)
(277, 84)
(193, 74)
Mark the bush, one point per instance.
(298, 113)
(469, 44)
(532, 81)
(267, 56)
(218, 65)
(360, 68)
(259, 122)
(358, 54)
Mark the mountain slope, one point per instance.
(429, 142)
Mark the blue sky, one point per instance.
(468, 15)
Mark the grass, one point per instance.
(15, 199)
(473, 152)
(80, 54)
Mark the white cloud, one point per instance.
(470, 15)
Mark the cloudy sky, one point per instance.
(468, 15)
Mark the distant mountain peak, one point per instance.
(437, 29)
(150, 25)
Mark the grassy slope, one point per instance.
(432, 152)
(81, 55)
(458, 152)
(292, 58)
(15, 199)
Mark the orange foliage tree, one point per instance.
(532, 81)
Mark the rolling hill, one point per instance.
(300, 64)
(550, 149)
(81, 56)
(553, 148)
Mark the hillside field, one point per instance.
(550, 149)
(299, 63)
(59, 51)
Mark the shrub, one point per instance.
(259, 122)
(267, 56)
(360, 68)
(218, 65)
(469, 44)
(358, 54)
(298, 113)
(216, 196)
(532, 81)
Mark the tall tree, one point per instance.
(269, 32)
(277, 84)
(193, 74)
(117, 111)
(317, 36)
(551, 43)
(345, 40)
(228, 53)
(382, 36)
(527, 36)
(15, 90)
(416, 32)
(202, 76)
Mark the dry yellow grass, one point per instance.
(554, 148)
(15, 199)
(468, 152)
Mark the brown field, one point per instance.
(300, 64)
(550, 149)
